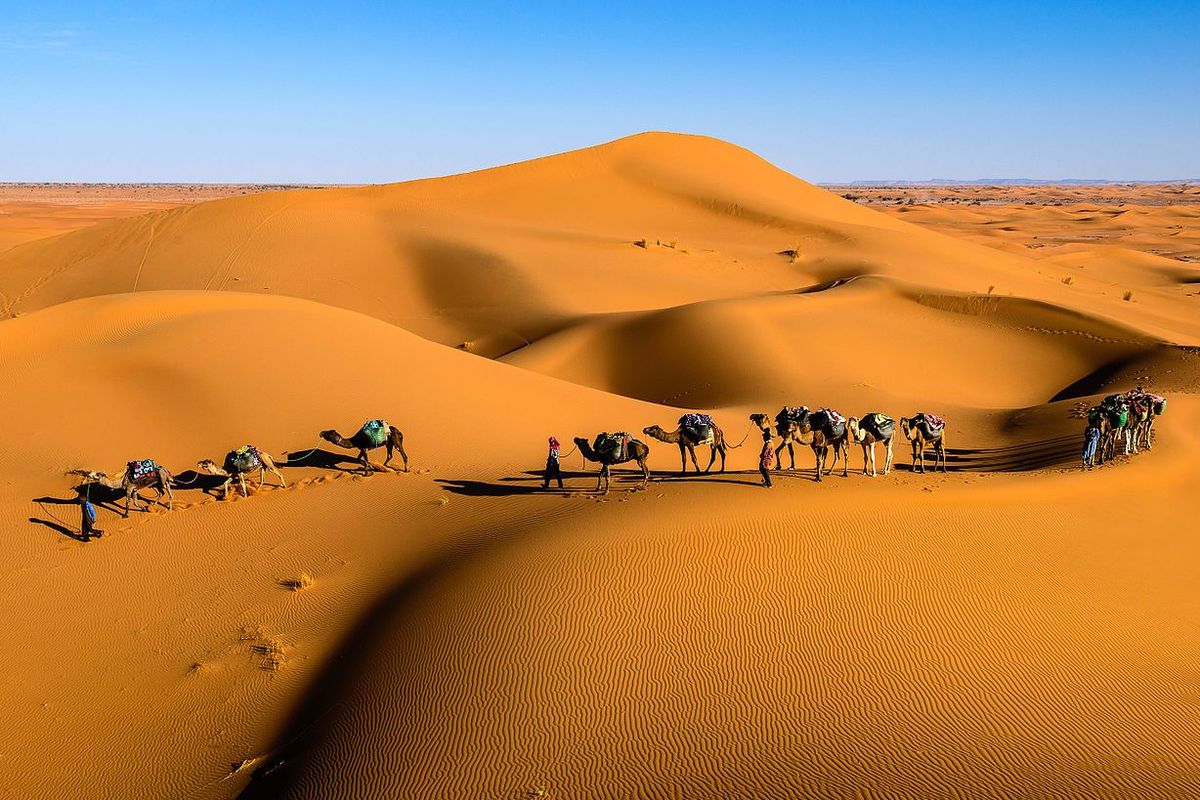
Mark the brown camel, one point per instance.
(874, 428)
(138, 475)
(791, 424)
(633, 451)
(240, 463)
(826, 434)
(374, 433)
(918, 430)
(687, 439)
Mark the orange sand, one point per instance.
(1011, 628)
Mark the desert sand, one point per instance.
(1013, 627)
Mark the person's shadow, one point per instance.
(100, 496)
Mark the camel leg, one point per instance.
(603, 479)
(820, 458)
(712, 456)
(691, 451)
(225, 487)
(887, 464)
(269, 463)
(366, 462)
(845, 448)
(645, 472)
(721, 450)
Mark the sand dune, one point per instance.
(1012, 628)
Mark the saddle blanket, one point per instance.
(789, 414)
(377, 431)
(879, 424)
(695, 421)
(610, 442)
(141, 469)
(244, 459)
(931, 421)
(835, 418)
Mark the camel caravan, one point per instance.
(1121, 424)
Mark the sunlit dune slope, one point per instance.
(496, 259)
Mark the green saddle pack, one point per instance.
(377, 431)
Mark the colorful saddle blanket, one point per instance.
(879, 425)
(139, 470)
(695, 421)
(931, 422)
(829, 421)
(1157, 402)
(376, 430)
(245, 459)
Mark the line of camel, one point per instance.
(823, 430)
(148, 474)
(1130, 416)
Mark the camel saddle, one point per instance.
(788, 415)
(698, 428)
(932, 423)
(828, 421)
(138, 470)
(244, 459)
(615, 443)
(879, 425)
(376, 430)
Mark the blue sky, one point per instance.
(350, 92)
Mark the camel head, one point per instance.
(88, 474)
(331, 436)
(855, 431)
(906, 426)
(653, 430)
(210, 466)
(761, 420)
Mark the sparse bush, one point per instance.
(1068, 280)
(991, 288)
(640, 243)
(1128, 296)
(298, 584)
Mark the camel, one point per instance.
(916, 429)
(240, 463)
(791, 428)
(374, 433)
(1116, 411)
(827, 434)
(634, 451)
(687, 444)
(874, 428)
(138, 475)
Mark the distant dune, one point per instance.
(1013, 627)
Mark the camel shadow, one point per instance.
(514, 486)
(320, 459)
(192, 479)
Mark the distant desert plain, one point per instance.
(1013, 627)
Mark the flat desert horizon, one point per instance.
(1013, 625)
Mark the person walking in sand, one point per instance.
(766, 459)
(553, 469)
(87, 512)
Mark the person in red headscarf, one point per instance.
(553, 469)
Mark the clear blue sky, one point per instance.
(367, 92)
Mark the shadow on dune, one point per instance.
(191, 479)
(320, 459)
